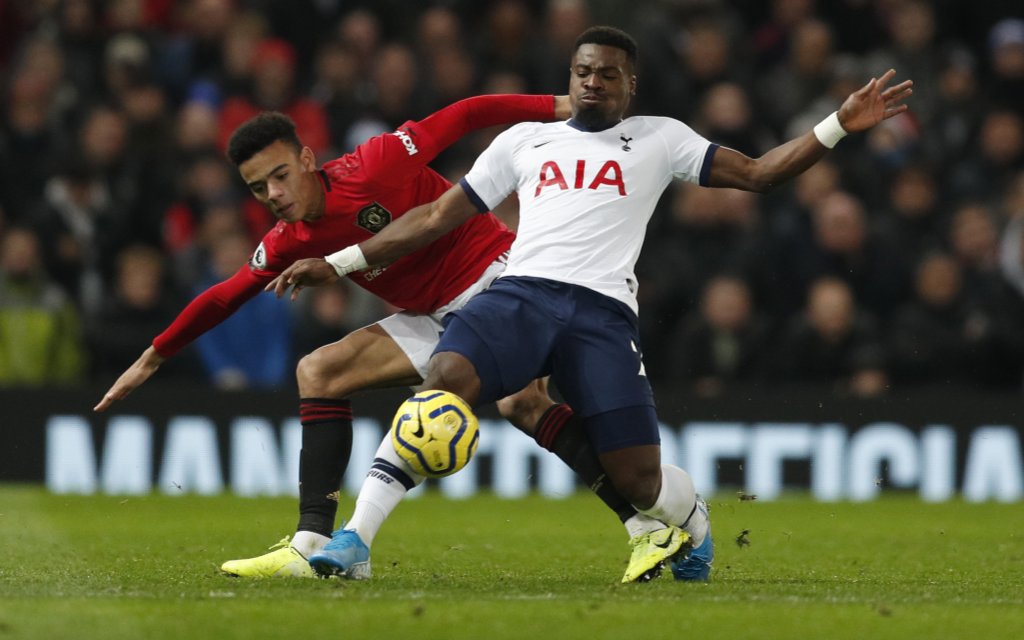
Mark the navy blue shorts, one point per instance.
(523, 328)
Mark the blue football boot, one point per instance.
(345, 556)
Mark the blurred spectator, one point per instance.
(237, 49)
(725, 341)
(226, 351)
(392, 87)
(726, 117)
(508, 41)
(452, 77)
(273, 88)
(394, 83)
(894, 144)
(913, 221)
(771, 39)
(81, 39)
(833, 342)
(325, 317)
(196, 128)
(359, 32)
(564, 21)
(705, 54)
(974, 241)
(997, 311)
(137, 193)
(208, 180)
(79, 232)
(957, 110)
(913, 49)
(805, 74)
(842, 245)
(190, 260)
(200, 50)
(942, 336)
(138, 308)
(995, 158)
(1006, 58)
(29, 138)
(438, 29)
(40, 330)
(709, 231)
(337, 88)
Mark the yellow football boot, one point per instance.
(651, 550)
(283, 560)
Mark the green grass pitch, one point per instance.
(146, 567)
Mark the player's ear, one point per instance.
(308, 159)
(632, 85)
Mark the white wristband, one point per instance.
(829, 131)
(347, 260)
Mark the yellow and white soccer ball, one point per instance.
(435, 432)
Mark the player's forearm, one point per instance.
(788, 160)
(488, 111)
(414, 230)
(456, 120)
(734, 170)
(206, 311)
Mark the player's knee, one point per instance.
(319, 376)
(453, 372)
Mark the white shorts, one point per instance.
(416, 334)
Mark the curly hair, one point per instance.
(258, 133)
(611, 37)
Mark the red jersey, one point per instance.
(364, 191)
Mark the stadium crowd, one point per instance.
(898, 261)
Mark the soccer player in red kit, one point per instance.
(347, 201)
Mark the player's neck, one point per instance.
(592, 128)
(321, 206)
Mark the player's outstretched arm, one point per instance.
(863, 109)
(206, 311)
(135, 375)
(413, 230)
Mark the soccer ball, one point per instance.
(435, 432)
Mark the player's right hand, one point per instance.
(134, 376)
(308, 272)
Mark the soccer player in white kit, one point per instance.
(566, 305)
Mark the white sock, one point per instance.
(677, 498)
(697, 527)
(640, 524)
(380, 494)
(307, 543)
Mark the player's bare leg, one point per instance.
(664, 493)
(365, 359)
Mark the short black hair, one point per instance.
(258, 133)
(611, 37)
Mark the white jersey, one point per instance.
(585, 197)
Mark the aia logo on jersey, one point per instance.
(373, 218)
(259, 258)
(609, 174)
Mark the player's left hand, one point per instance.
(873, 103)
(308, 272)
